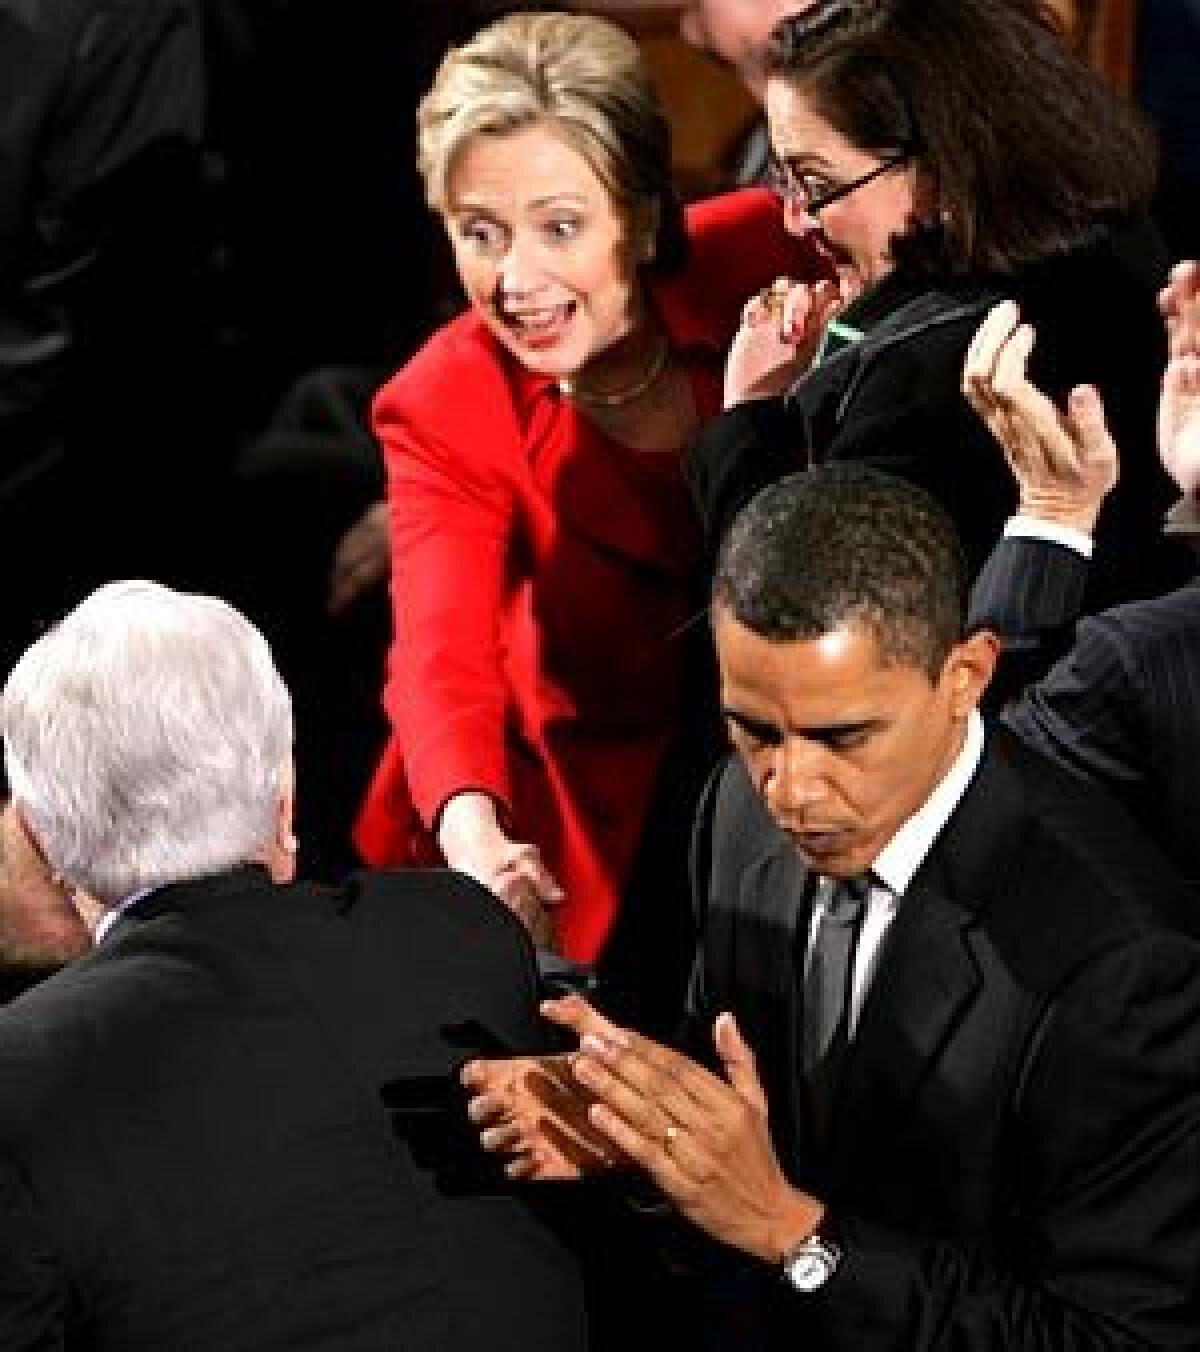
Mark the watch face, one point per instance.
(811, 1265)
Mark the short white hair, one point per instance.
(148, 739)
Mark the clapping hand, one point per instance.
(1065, 463)
(1179, 407)
(702, 1138)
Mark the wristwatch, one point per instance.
(807, 1266)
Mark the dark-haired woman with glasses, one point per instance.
(943, 154)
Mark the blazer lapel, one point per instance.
(927, 976)
(925, 982)
(774, 911)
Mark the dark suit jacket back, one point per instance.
(235, 1126)
(1012, 1155)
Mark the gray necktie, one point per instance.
(828, 984)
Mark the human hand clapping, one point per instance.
(1065, 463)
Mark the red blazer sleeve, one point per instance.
(451, 457)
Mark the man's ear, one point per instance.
(20, 837)
(280, 855)
(968, 670)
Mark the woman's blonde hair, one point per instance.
(584, 75)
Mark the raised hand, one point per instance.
(1179, 407)
(780, 331)
(1179, 302)
(1065, 463)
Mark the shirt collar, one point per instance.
(900, 858)
(114, 913)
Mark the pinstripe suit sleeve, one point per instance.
(1029, 592)
(1087, 712)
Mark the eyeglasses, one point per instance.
(814, 192)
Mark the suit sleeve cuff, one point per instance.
(1021, 527)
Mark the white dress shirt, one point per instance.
(114, 913)
(896, 863)
(1023, 527)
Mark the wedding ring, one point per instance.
(670, 1136)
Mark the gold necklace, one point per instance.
(571, 389)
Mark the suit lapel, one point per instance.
(925, 982)
(775, 909)
(927, 977)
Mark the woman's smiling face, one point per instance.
(541, 248)
(858, 227)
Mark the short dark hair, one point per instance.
(846, 545)
(1032, 154)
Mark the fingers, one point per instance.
(1179, 422)
(575, 1013)
(521, 865)
(1089, 425)
(978, 381)
(650, 1085)
(1182, 288)
(1179, 302)
(663, 1158)
(796, 308)
(826, 300)
(766, 304)
(521, 880)
(738, 1061)
(532, 1110)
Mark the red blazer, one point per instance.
(540, 576)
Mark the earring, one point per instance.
(289, 843)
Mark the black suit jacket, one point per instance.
(1014, 1146)
(893, 400)
(235, 1126)
(1121, 706)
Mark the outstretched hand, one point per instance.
(473, 842)
(1065, 463)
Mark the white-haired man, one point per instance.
(231, 1125)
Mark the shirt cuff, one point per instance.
(1021, 527)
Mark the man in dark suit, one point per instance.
(234, 1124)
(1121, 704)
(972, 1119)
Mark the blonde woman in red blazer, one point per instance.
(544, 546)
